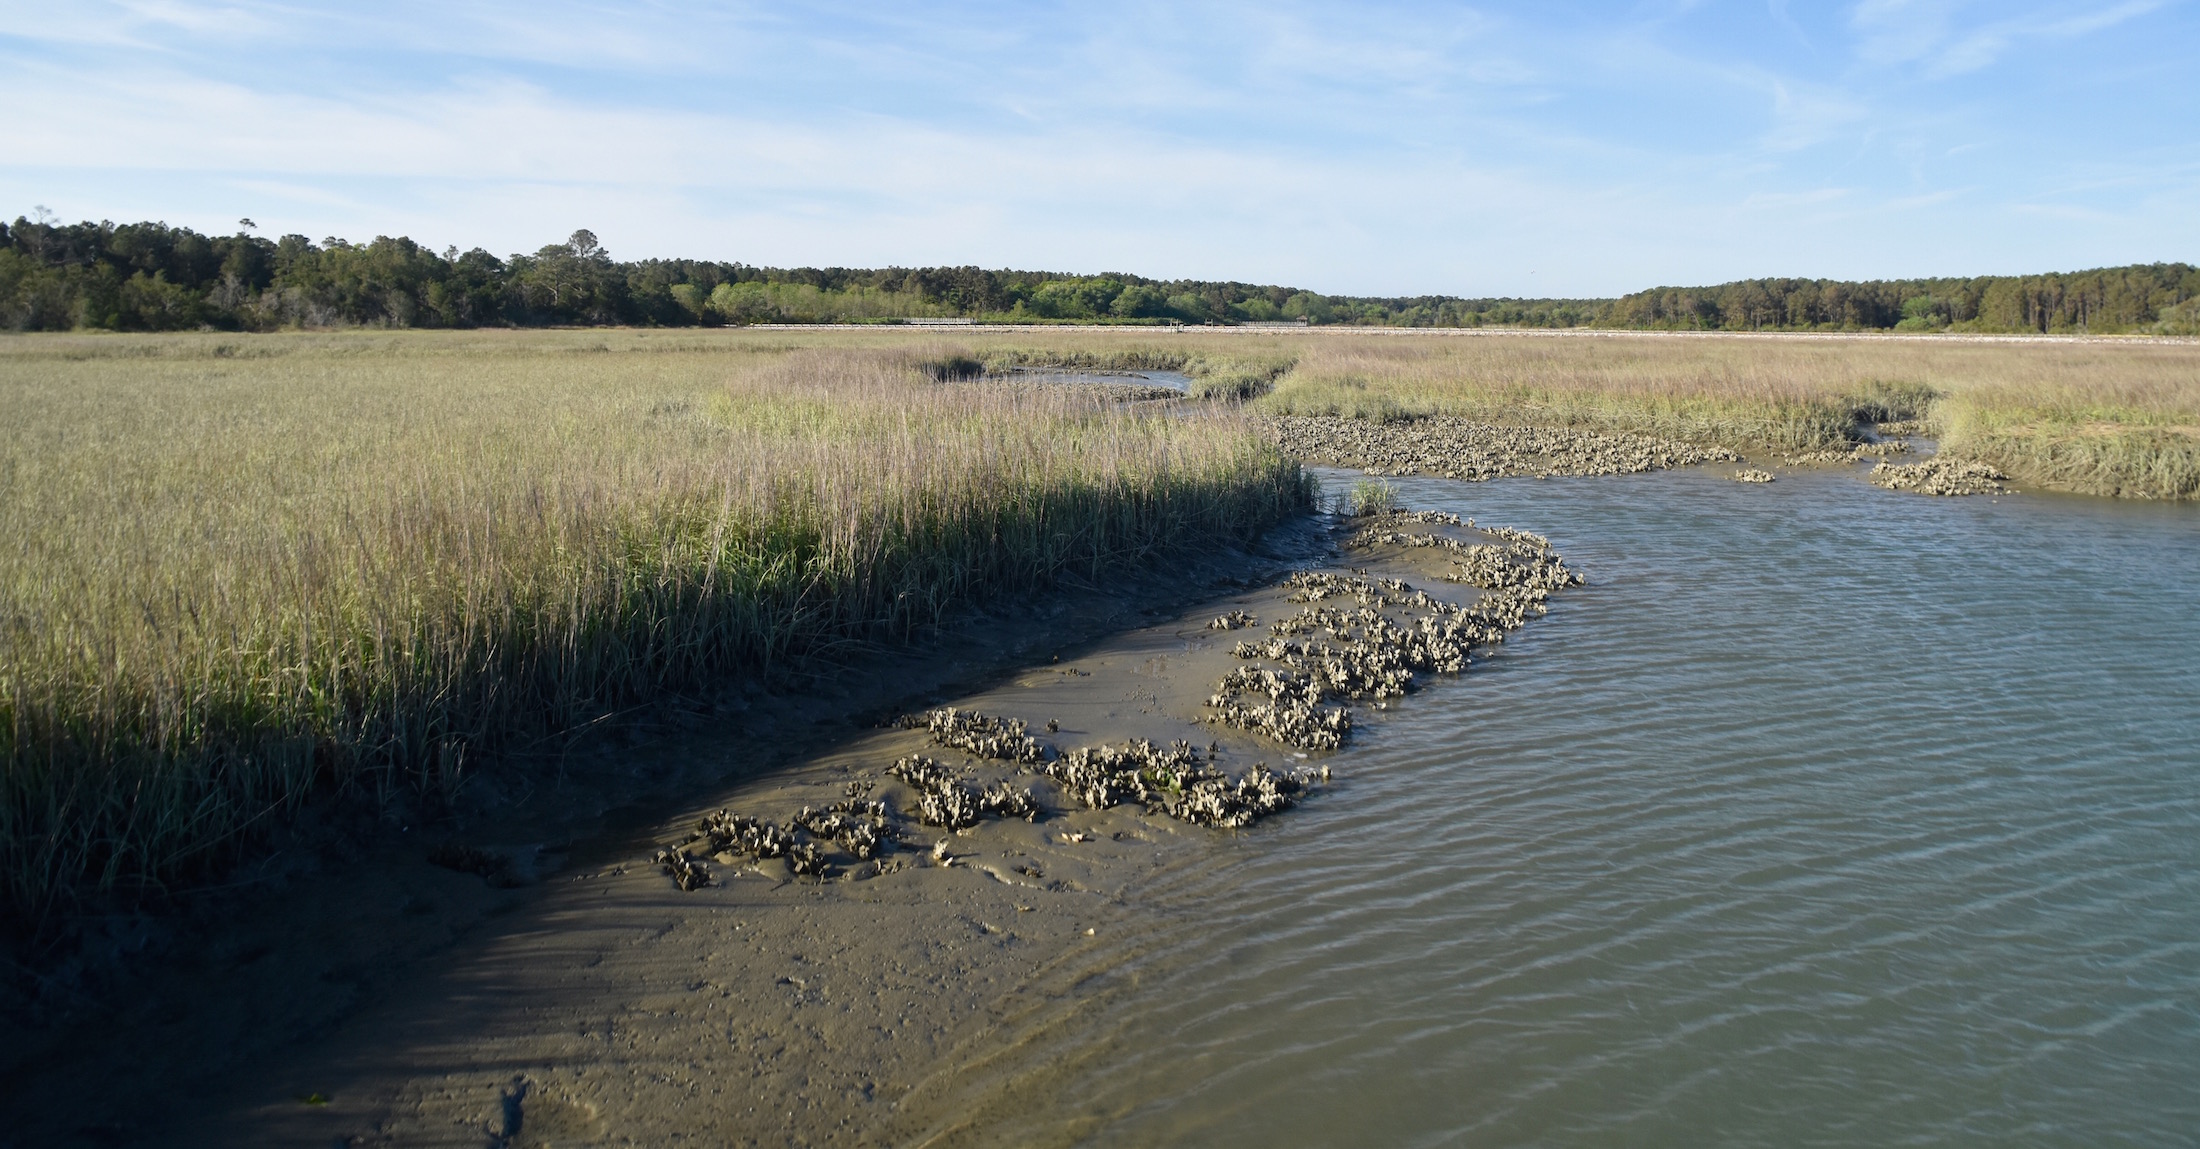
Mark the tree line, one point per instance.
(153, 277)
(2150, 297)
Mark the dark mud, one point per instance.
(808, 952)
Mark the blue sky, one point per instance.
(1531, 149)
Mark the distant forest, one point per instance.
(152, 277)
(2145, 297)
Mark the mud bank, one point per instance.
(537, 971)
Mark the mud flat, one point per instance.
(811, 951)
(1450, 447)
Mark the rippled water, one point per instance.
(1823, 815)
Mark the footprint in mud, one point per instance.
(513, 1102)
(528, 1118)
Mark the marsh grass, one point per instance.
(240, 572)
(2122, 421)
(1370, 497)
(1225, 367)
(2102, 418)
(1694, 390)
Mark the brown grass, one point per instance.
(2094, 417)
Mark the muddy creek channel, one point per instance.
(822, 953)
(1822, 814)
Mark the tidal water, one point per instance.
(1175, 380)
(1823, 815)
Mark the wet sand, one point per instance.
(550, 983)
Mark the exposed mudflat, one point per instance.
(573, 960)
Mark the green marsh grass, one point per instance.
(238, 572)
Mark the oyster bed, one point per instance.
(826, 939)
(1857, 453)
(1938, 476)
(1355, 637)
(1455, 448)
(1451, 447)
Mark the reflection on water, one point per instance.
(1824, 815)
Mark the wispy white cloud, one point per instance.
(201, 19)
(1981, 48)
(1786, 200)
(1929, 199)
(1902, 31)
(1401, 146)
(1804, 115)
(1937, 34)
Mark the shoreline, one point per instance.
(415, 1039)
(272, 958)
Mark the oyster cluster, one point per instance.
(1939, 476)
(1854, 453)
(1291, 723)
(1455, 448)
(862, 828)
(1173, 780)
(980, 735)
(1751, 475)
(1102, 777)
(1520, 560)
(945, 800)
(1520, 568)
(1353, 638)
(686, 873)
(1329, 652)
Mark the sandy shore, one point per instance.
(558, 987)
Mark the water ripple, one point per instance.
(1823, 816)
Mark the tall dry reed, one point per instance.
(237, 573)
